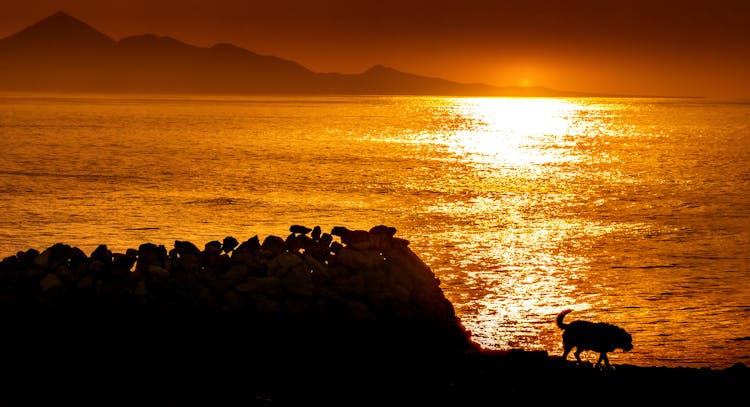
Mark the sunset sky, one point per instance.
(646, 47)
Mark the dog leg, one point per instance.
(602, 356)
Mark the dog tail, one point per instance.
(561, 316)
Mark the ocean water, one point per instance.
(629, 211)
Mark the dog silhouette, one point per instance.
(595, 336)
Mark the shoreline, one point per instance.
(349, 317)
(213, 359)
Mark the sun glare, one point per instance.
(514, 131)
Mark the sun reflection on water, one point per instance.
(515, 132)
(511, 220)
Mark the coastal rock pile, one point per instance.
(350, 317)
(286, 318)
(344, 280)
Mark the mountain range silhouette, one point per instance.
(63, 54)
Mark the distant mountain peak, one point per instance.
(61, 28)
(61, 16)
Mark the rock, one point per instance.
(185, 257)
(212, 248)
(212, 257)
(340, 231)
(316, 233)
(320, 249)
(49, 282)
(357, 239)
(122, 264)
(42, 260)
(58, 254)
(102, 254)
(150, 255)
(336, 247)
(252, 245)
(28, 257)
(298, 243)
(77, 256)
(228, 244)
(299, 229)
(273, 246)
(183, 248)
(382, 230)
(359, 259)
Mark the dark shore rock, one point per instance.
(294, 321)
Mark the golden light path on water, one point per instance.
(631, 211)
(513, 231)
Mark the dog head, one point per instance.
(624, 341)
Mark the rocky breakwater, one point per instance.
(283, 310)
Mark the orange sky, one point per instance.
(668, 47)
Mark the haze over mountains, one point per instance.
(63, 54)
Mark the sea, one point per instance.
(632, 211)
